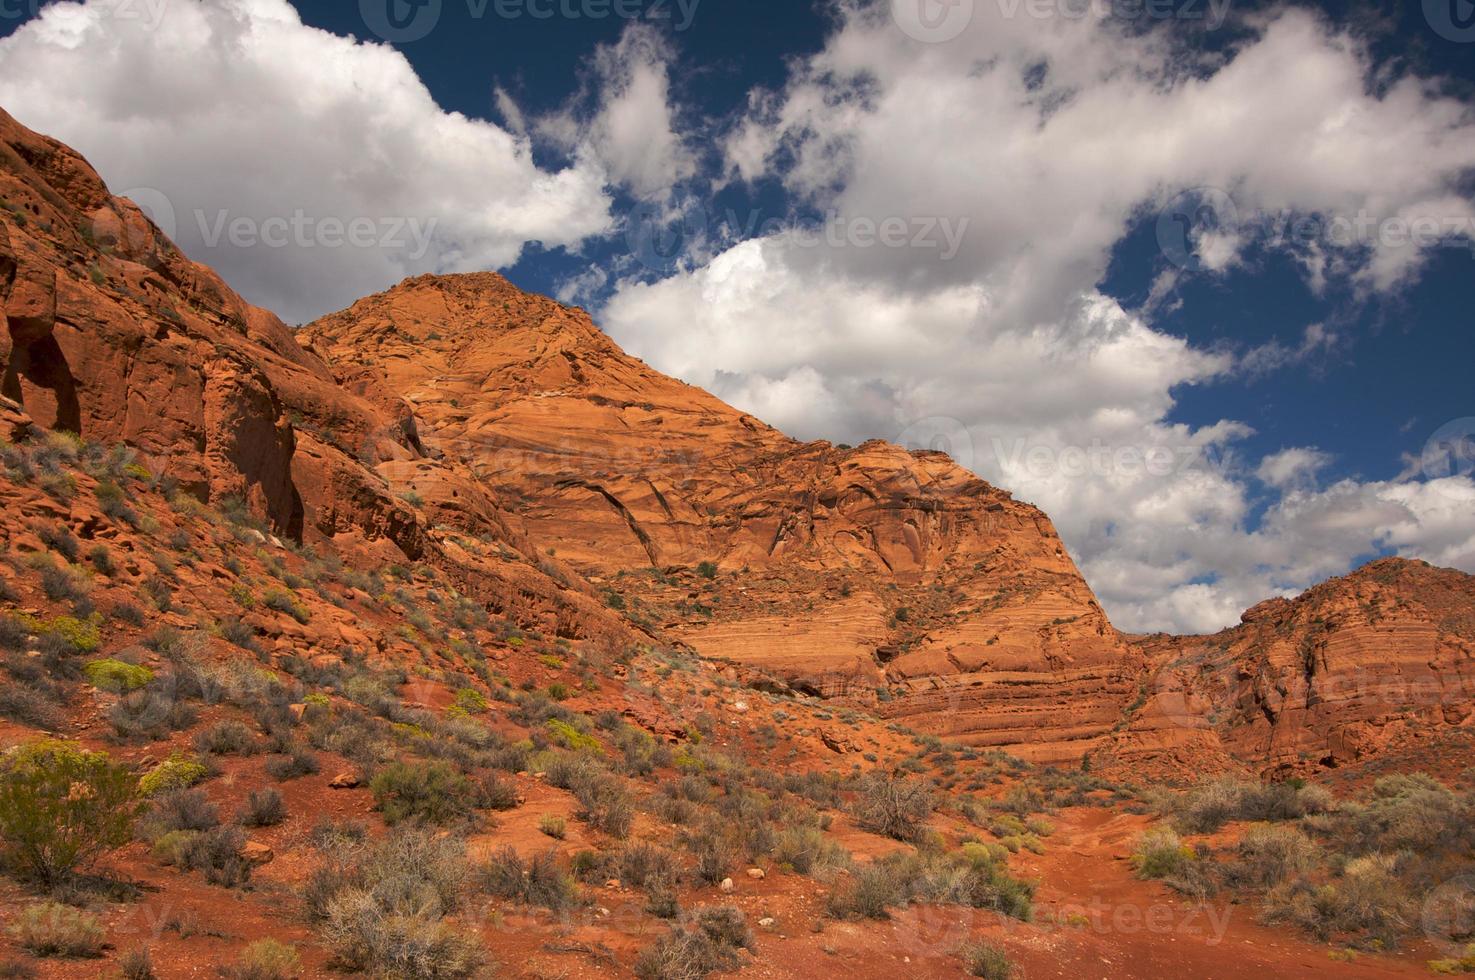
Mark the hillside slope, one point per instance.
(891, 578)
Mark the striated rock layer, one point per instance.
(950, 604)
(112, 333)
(501, 437)
(1357, 668)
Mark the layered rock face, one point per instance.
(502, 437)
(113, 334)
(871, 573)
(1356, 668)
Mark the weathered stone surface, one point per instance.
(959, 601)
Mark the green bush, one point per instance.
(117, 676)
(430, 792)
(570, 737)
(1160, 853)
(470, 700)
(61, 806)
(53, 929)
(175, 772)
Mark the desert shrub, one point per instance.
(265, 959)
(641, 864)
(409, 872)
(1367, 900)
(570, 737)
(102, 559)
(137, 964)
(117, 676)
(114, 503)
(1160, 853)
(175, 772)
(127, 612)
(264, 808)
(553, 826)
(540, 881)
(503, 874)
(1209, 807)
(604, 803)
(972, 876)
(60, 540)
(367, 937)
(470, 700)
(181, 809)
(229, 737)
(53, 929)
(14, 631)
(217, 855)
(548, 885)
(986, 960)
(61, 583)
(68, 634)
(285, 602)
(495, 793)
(715, 852)
(61, 806)
(238, 632)
(808, 851)
(894, 807)
(30, 706)
(1463, 963)
(298, 761)
(1267, 855)
(708, 944)
(153, 711)
(431, 792)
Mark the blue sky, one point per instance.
(1149, 202)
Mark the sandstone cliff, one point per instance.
(892, 578)
(112, 333)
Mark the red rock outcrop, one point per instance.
(953, 606)
(1353, 669)
(112, 333)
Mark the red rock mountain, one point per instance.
(503, 438)
(892, 578)
(111, 332)
(1360, 667)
